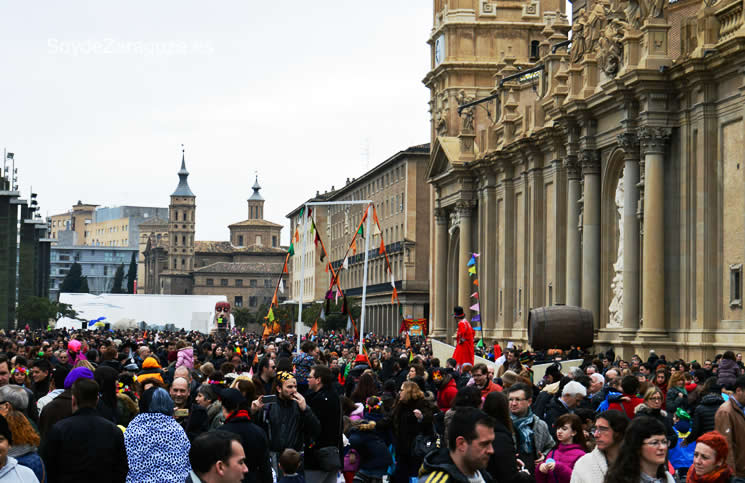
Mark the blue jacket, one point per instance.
(373, 450)
(681, 456)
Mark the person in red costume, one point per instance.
(464, 338)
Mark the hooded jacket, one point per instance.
(14, 472)
(185, 357)
(703, 417)
(730, 422)
(565, 457)
(157, 449)
(446, 395)
(727, 373)
(439, 467)
(287, 426)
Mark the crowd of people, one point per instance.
(176, 406)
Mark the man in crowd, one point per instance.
(61, 406)
(571, 395)
(325, 404)
(532, 434)
(4, 370)
(217, 457)
(470, 438)
(265, 378)
(40, 374)
(629, 401)
(84, 446)
(464, 349)
(56, 388)
(180, 394)
(482, 380)
(730, 421)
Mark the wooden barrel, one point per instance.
(560, 326)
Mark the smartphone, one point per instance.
(181, 413)
(272, 398)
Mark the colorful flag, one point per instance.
(394, 295)
(291, 250)
(345, 264)
(472, 261)
(476, 255)
(354, 246)
(270, 315)
(481, 343)
(476, 282)
(297, 235)
(408, 341)
(381, 250)
(314, 329)
(476, 318)
(475, 307)
(472, 270)
(281, 286)
(475, 295)
(361, 231)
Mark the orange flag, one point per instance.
(476, 282)
(375, 217)
(354, 246)
(267, 331)
(297, 236)
(276, 328)
(382, 246)
(274, 299)
(408, 342)
(314, 329)
(327, 268)
(394, 296)
(284, 269)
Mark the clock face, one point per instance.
(439, 49)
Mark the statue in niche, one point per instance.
(578, 37)
(467, 113)
(652, 8)
(610, 47)
(615, 310)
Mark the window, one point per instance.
(210, 282)
(534, 54)
(240, 240)
(252, 301)
(274, 241)
(252, 283)
(64, 257)
(239, 282)
(183, 263)
(105, 270)
(223, 282)
(184, 218)
(267, 283)
(735, 285)
(238, 301)
(183, 240)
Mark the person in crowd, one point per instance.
(217, 456)
(482, 381)
(559, 463)
(106, 377)
(571, 396)
(265, 374)
(289, 463)
(502, 465)
(446, 390)
(40, 374)
(359, 366)
(157, 446)
(366, 387)
(26, 441)
(84, 446)
(303, 362)
(660, 380)
(469, 449)
(325, 404)
(179, 393)
(642, 456)
(610, 427)
(252, 437)
(57, 387)
(412, 416)
(10, 470)
(4, 370)
(652, 407)
(710, 460)
(703, 417)
(677, 395)
(464, 348)
(629, 400)
(20, 376)
(532, 436)
(728, 370)
(61, 407)
(730, 422)
(208, 401)
(371, 442)
(151, 371)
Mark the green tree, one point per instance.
(73, 281)
(37, 311)
(132, 274)
(84, 286)
(118, 279)
(335, 320)
(243, 317)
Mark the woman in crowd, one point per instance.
(643, 454)
(106, 377)
(366, 387)
(652, 407)
(412, 416)
(559, 463)
(25, 445)
(20, 376)
(126, 399)
(660, 380)
(502, 464)
(677, 396)
(702, 419)
(710, 460)
(157, 446)
(728, 370)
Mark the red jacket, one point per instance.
(446, 395)
(490, 387)
(627, 406)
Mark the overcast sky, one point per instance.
(99, 96)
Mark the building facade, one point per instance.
(98, 264)
(604, 173)
(398, 189)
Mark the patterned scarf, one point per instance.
(524, 427)
(723, 475)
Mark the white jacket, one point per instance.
(13, 472)
(591, 468)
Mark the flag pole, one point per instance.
(302, 277)
(364, 278)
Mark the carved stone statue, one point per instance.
(467, 113)
(578, 37)
(616, 305)
(610, 46)
(652, 8)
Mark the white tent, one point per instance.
(189, 312)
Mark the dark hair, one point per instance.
(575, 422)
(521, 387)
(85, 392)
(308, 346)
(617, 420)
(42, 364)
(366, 387)
(739, 383)
(58, 376)
(324, 374)
(464, 424)
(209, 448)
(729, 355)
(627, 466)
(207, 392)
(468, 397)
(497, 406)
(289, 460)
(451, 362)
(629, 384)
(264, 363)
(106, 377)
(585, 414)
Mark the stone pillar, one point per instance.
(630, 144)
(574, 247)
(591, 234)
(653, 142)
(464, 255)
(490, 266)
(439, 329)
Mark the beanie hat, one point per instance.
(361, 359)
(150, 370)
(77, 373)
(151, 363)
(717, 442)
(74, 345)
(5, 430)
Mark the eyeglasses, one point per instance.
(599, 429)
(657, 443)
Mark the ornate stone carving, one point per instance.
(572, 166)
(653, 140)
(467, 113)
(616, 305)
(601, 31)
(487, 9)
(441, 216)
(464, 207)
(532, 9)
(629, 142)
(651, 8)
(590, 161)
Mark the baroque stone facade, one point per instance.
(605, 172)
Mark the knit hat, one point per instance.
(5, 430)
(151, 363)
(717, 442)
(150, 370)
(77, 373)
(74, 345)
(361, 358)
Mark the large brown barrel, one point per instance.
(560, 327)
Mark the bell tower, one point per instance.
(177, 279)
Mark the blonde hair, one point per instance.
(410, 391)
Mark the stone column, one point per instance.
(464, 254)
(653, 142)
(591, 234)
(574, 247)
(489, 266)
(630, 144)
(441, 266)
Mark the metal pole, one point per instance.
(302, 277)
(364, 278)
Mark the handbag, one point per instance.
(329, 459)
(424, 444)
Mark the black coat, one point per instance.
(58, 409)
(256, 447)
(326, 405)
(554, 409)
(661, 416)
(703, 416)
(406, 427)
(503, 464)
(84, 447)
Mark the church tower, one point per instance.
(177, 279)
(256, 203)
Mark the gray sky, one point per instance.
(98, 97)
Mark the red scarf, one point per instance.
(722, 475)
(241, 413)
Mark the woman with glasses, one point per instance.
(608, 431)
(652, 407)
(642, 456)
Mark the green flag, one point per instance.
(291, 250)
(361, 232)
(481, 343)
